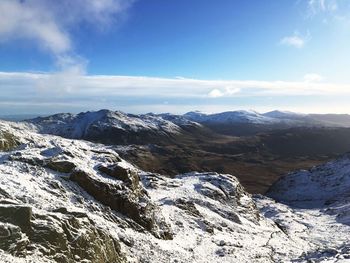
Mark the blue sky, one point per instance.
(174, 55)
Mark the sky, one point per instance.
(174, 56)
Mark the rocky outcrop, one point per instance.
(128, 198)
(8, 141)
(129, 177)
(60, 237)
(62, 166)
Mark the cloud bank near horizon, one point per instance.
(55, 92)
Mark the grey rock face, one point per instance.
(8, 141)
(128, 198)
(56, 236)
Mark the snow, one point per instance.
(284, 114)
(78, 126)
(240, 116)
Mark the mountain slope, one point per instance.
(314, 205)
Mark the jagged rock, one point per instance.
(227, 190)
(35, 161)
(111, 157)
(64, 238)
(62, 166)
(60, 238)
(4, 194)
(133, 203)
(188, 206)
(17, 215)
(8, 141)
(12, 239)
(129, 177)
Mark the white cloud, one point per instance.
(226, 91)
(26, 19)
(49, 22)
(96, 86)
(215, 93)
(313, 77)
(30, 92)
(295, 40)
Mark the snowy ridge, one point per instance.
(231, 117)
(284, 115)
(80, 125)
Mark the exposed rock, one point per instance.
(129, 177)
(17, 215)
(12, 239)
(32, 160)
(8, 141)
(132, 202)
(61, 166)
(188, 206)
(110, 156)
(65, 238)
(60, 238)
(227, 190)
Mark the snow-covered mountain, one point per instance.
(110, 126)
(114, 127)
(285, 115)
(276, 117)
(79, 125)
(64, 200)
(231, 117)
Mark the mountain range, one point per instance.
(104, 125)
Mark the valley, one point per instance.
(256, 148)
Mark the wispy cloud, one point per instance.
(330, 11)
(49, 23)
(316, 6)
(296, 40)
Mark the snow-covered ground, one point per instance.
(210, 216)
